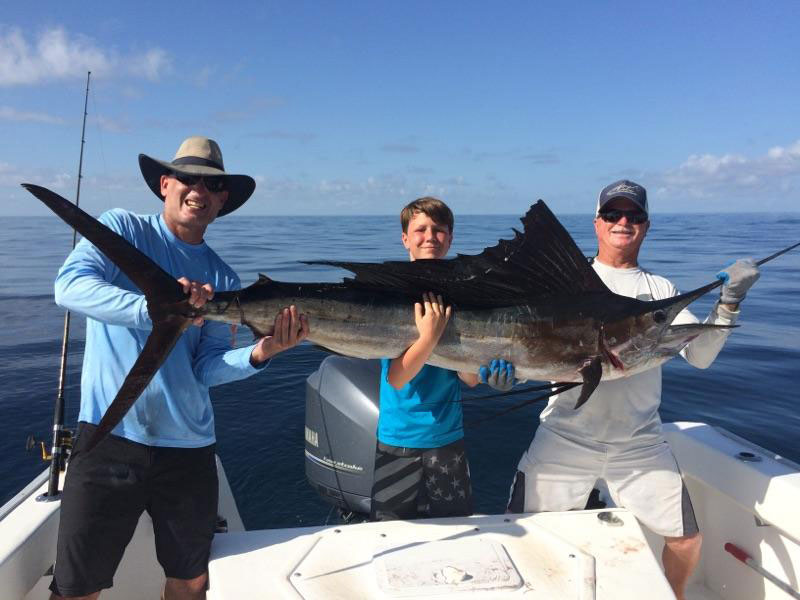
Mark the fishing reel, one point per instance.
(63, 441)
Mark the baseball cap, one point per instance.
(623, 188)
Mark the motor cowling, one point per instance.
(342, 400)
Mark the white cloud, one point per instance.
(368, 195)
(64, 182)
(541, 158)
(12, 176)
(151, 65)
(710, 176)
(57, 55)
(458, 181)
(202, 77)
(8, 113)
(107, 124)
(531, 156)
(53, 56)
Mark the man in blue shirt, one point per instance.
(161, 456)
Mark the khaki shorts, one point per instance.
(558, 474)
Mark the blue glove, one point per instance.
(499, 374)
(737, 279)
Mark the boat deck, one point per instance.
(741, 493)
(579, 554)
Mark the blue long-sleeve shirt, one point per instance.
(175, 408)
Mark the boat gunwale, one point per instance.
(24, 493)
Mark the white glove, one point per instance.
(737, 279)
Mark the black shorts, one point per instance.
(411, 483)
(106, 491)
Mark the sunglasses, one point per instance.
(213, 183)
(635, 217)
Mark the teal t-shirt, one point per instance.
(424, 413)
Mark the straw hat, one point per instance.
(198, 155)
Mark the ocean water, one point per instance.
(751, 389)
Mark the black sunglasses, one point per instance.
(636, 217)
(213, 183)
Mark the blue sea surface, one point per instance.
(751, 389)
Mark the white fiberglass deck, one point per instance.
(573, 555)
(741, 493)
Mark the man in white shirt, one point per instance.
(616, 436)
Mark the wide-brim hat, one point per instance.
(198, 156)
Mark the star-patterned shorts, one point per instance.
(414, 483)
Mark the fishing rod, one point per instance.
(514, 392)
(62, 437)
(553, 389)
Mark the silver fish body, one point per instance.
(541, 342)
(533, 300)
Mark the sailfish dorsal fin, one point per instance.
(542, 260)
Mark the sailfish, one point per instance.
(533, 300)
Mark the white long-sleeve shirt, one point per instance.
(625, 411)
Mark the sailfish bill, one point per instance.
(533, 300)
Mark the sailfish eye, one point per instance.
(659, 316)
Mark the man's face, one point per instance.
(623, 236)
(189, 209)
(425, 238)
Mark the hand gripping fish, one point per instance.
(533, 300)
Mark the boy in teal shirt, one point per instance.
(421, 466)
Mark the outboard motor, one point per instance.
(342, 399)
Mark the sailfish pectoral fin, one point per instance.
(675, 337)
(162, 339)
(591, 372)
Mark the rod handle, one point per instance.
(744, 557)
(737, 552)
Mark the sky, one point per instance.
(357, 108)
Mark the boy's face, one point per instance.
(426, 238)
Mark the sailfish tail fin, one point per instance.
(155, 282)
(156, 349)
(166, 302)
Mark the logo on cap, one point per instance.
(624, 188)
